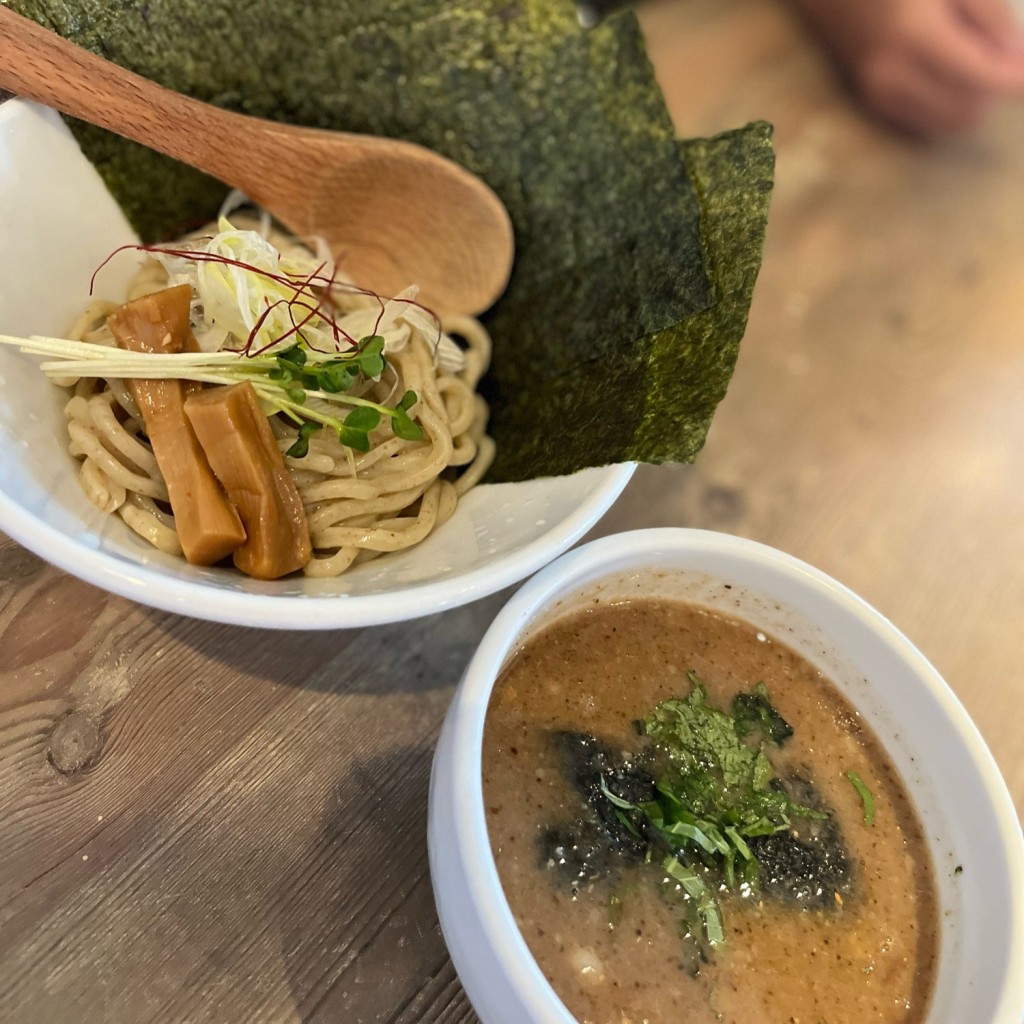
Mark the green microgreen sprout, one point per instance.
(300, 449)
(285, 380)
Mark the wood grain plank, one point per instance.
(289, 865)
(439, 1000)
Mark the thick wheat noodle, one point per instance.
(426, 464)
(447, 501)
(314, 465)
(150, 523)
(464, 451)
(381, 452)
(484, 453)
(331, 565)
(77, 408)
(89, 444)
(337, 511)
(381, 534)
(458, 405)
(475, 473)
(389, 534)
(358, 505)
(339, 488)
(478, 341)
(326, 456)
(106, 495)
(302, 478)
(346, 489)
(164, 518)
(411, 362)
(150, 278)
(123, 397)
(86, 327)
(418, 466)
(92, 318)
(363, 520)
(113, 433)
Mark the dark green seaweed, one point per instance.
(620, 326)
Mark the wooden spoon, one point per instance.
(397, 213)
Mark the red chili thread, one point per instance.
(300, 285)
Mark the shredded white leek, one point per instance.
(230, 300)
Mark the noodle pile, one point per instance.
(358, 505)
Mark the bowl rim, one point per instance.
(150, 587)
(581, 568)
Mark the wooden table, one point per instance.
(200, 823)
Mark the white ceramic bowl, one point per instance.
(58, 224)
(961, 798)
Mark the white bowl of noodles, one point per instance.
(60, 223)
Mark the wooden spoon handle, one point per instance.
(40, 65)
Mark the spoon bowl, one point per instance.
(395, 213)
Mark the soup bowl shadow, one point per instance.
(973, 833)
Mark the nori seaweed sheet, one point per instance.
(619, 329)
(655, 400)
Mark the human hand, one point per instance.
(928, 66)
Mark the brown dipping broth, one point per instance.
(869, 960)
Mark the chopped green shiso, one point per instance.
(714, 793)
(866, 797)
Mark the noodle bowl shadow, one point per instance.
(973, 832)
(60, 223)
